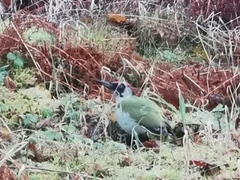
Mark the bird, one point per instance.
(136, 114)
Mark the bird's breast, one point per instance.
(127, 123)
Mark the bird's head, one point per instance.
(121, 90)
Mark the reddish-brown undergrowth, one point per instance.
(80, 65)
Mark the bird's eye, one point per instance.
(121, 86)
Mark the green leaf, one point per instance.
(58, 136)
(35, 177)
(91, 104)
(71, 129)
(168, 55)
(18, 62)
(1, 78)
(11, 56)
(73, 115)
(3, 72)
(32, 140)
(218, 108)
(3, 107)
(47, 113)
(53, 135)
(50, 134)
(75, 138)
(29, 119)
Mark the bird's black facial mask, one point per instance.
(114, 86)
(119, 88)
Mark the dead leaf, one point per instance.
(6, 173)
(76, 177)
(5, 133)
(198, 139)
(86, 131)
(112, 117)
(206, 169)
(116, 18)
(7, 2)
(86, 19)
(44, 123)
(150, 144)
(32, 147)
(126, 162)
(235, 136)
(10, 84)
(97, 170)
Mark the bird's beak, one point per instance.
(106, 84)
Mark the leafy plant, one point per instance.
(169, 56)
(3, 107)
(97, 35)
(29, 119)
(73, 115)
(17, 59)
(218, 111)
(24, 77)
(70, 128)
(36, 35)
(199, 52)
(46, 113)
(53, 135)
(3, 72)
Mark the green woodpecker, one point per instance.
(137, 114)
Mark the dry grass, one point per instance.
(113, 160)
(219, 41)
(108, 159)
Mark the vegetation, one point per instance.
(57, 123)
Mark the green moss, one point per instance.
(36, 35)
(44, 176)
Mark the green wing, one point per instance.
(144, 111)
